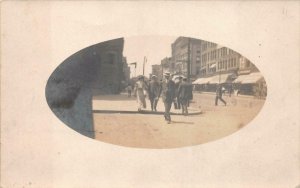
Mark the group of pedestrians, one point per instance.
(178, 92)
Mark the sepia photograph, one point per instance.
(156, 91)
(150, 94)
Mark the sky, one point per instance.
(155, 48)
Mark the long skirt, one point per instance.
(141, 99)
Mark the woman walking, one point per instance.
(140, 90)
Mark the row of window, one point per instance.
(216, 54)
(227, 64)
(206, 45)
(181, 57)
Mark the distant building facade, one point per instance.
(216, 59)
(109, 58)
(183, 50)
(221, 65)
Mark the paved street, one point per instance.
(117, 121)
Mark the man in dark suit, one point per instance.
(168, 94)
(177, 103)
(219, 94)
(154, 92)
(184, 95)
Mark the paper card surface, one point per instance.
(38, 150)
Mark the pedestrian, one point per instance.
(178, 81)
(167, 94)
(140, 93)
(219, 93)
(129, 90)
(154, 92)
(184, 93)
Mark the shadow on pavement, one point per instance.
(182, 122)
(142, 112)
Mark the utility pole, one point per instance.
(189, 60)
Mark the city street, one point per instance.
(117, 121)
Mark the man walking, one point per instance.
(219, 94)
(184, 95)
(178, 81)
(154, 92)
(168, 94)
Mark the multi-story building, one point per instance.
(220, 65)
(186, 50)
(216, 59)
(109, 72)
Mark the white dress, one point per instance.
(140, 89)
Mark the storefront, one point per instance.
(210, 83)
(251, 84)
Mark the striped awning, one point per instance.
(202, 80)
(222, 78)
(249, 78)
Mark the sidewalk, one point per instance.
(123, 104)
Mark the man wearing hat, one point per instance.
(219, 93)
(177, 104)
(184, 95)
(168, 94)
(154, 92)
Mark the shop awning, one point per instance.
(249, 78)
(222, 78)
(213, 79)
(202, 80)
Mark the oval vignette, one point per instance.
(98, 91)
